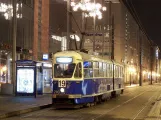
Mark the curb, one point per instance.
(19, 112)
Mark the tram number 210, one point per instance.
(62, 83)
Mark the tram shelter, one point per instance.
(33, 77)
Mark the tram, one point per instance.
(82, 79)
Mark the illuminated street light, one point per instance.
(4, 68)
(7, 10)
(91, 9)
(131, 70)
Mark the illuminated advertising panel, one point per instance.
(25, 80)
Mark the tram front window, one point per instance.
(63, 70)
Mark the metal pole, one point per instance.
(113, 45)
(130, 78)
(14, 33)
(110, 28)
(151, 79)
(83, 29)
(68, 24)
(140, 80)
(156, 70)
(94, 27)
(103, 43)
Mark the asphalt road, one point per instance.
(134, 104)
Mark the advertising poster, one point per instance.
(25, 80)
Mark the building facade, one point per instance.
(116, 36)
(42, 29)
(24, 35)
(32, 33)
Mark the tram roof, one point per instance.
(81, 56)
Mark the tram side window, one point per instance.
(88, 69)
(96, 69)
(116, 71)
(104, 69)
(78, 71)
(122, 71)
(101, 69)
(119, 71)
(111, 70)
(108, 70)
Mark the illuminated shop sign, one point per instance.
(45, 57)
(59, 38)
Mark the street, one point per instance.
(134, 104)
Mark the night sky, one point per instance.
(149, 12)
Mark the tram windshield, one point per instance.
(64, 70)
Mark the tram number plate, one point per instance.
(62, 83)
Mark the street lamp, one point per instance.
(7, 10)
(91, 9)
(132, 70)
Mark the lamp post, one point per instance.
(14, 22)
(68, 23)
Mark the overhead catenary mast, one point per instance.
(14, 33)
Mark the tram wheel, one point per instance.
(87, 105)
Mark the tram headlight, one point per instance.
(62, 90)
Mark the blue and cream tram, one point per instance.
(81, 79)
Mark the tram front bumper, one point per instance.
(66, 96)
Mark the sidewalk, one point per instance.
(11, 105)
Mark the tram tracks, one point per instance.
(114, 108)
(79, 113)
(150, 100)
